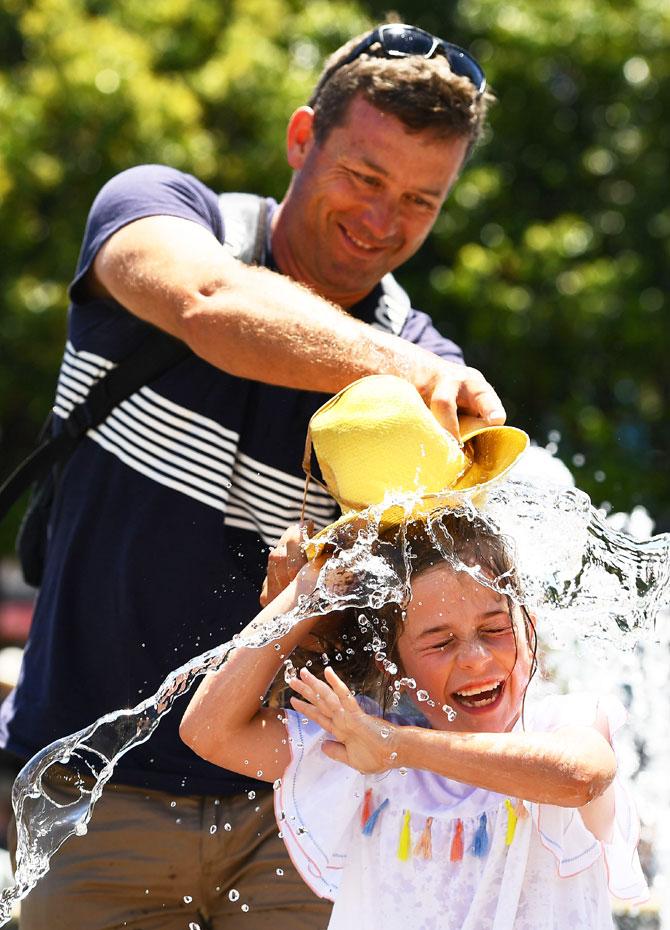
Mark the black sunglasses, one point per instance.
(398, 40)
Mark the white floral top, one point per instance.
(417, 851)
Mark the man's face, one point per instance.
(362, 202)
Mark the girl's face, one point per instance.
(459, 644)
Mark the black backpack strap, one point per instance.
(156, 354)
(245, 224)
(246, 229)
(393, 307)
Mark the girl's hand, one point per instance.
(285, 561)
(361, 741)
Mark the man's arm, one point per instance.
(254, 323)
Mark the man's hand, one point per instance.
(455, 389)
(361, 741)
(285, 561)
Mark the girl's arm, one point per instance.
(225, 722)
(569, 767)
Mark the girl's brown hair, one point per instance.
(363, 646)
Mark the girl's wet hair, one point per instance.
(363, 646)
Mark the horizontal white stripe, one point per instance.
(137, 419)
(147, 451)
(260, 468)
(265, 526)
(157, 476)
(64, 393)
(190, 416)
(86, 356)
(281, 503)
(60, 411)
(266, 515)
(252, 470)
(192, 454)
(84, 380)
(243, 523)
(76, 389)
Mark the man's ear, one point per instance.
(299, 137)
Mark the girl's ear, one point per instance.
(299, 137)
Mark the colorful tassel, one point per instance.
(373, 818)
(424, 848)
(366, 809)
(456, 853)
(511, 822)
(480, 844)
(405, 843)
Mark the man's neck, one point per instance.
(286, 259)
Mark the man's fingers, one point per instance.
(476, 396)
(465, 390)
(444, 410)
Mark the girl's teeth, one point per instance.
(469, 696)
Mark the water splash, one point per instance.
(578, 573)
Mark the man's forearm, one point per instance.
(255, 323)
(567, 770)
(264, 326)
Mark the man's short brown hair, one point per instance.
(423, 93)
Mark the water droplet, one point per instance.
(212, 829)
(403, 771)
(233, 895)
(280, 871)
(227, 827)
(193, 926)
(187, 899)
(276, 785)
(393, 756)
(81, 829)
(384, 732)
(244, 907)
(449, 711)
(259, 773)
(251, 795)
(173, 803)
(422, 695)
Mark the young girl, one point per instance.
(485, 812)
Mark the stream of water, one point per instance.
(586, 582)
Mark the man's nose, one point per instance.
(380, 217)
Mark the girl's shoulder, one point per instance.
(579, 708)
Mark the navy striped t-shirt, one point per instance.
(161, 527)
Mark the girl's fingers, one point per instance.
(335, 751)
(311, 712)
(321, 690)
(343, 694)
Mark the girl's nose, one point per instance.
(472, 653)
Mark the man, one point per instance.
(160, 529)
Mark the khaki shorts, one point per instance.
(154, 861)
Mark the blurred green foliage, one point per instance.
(549, 263)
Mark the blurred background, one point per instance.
(549, 264)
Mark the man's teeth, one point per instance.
(479, 697)
(358, 242)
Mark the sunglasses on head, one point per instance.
(398, 40)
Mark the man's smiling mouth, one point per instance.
(358, 242)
